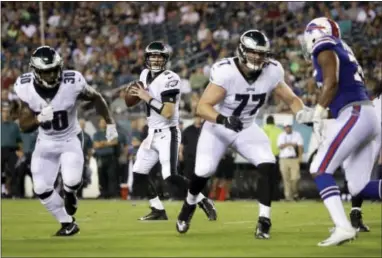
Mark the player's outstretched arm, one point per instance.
(285, 93)
(205, 109)
(90, 94)
(211, 96)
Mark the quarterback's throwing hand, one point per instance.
(140, 93)
(46, 114)
(111, 132)
(233, 123)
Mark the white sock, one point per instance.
(337, 211)
(264, 211)
(192, 199)
(156, 203)
(200, 197)
(55, 205)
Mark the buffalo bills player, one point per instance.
(350, 142)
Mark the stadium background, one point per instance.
(105, 41)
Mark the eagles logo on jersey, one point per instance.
(46, 66)
(156, 56)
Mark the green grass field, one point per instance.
(111, 229)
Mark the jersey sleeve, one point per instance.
(220, 74)
(171, 88)
(324, 43)
(80, 83)
(277, 75)
(21, 88)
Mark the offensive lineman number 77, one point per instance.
(244, 98)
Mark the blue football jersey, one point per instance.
(351, 87)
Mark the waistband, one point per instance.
(172, 128)
(356, 103)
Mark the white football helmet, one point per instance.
(317, 29)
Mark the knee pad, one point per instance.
(41, 188)
(44, 195)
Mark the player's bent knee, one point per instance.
(72, 187)
(356, 188)
(44, 195)
(41, 188)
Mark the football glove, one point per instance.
(232, 122)
(305, 115)
(46, 115)
(319, 114)
(111, 132)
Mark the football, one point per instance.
(132, 100)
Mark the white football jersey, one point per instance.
(64, 103)
(244, 98)
(164, 84)
(378, 107)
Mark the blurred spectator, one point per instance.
(291, 149)
(10, 143)
(187, 149)
(23, 167)
(203, 32)
(221, 34)
(273, 132)
(198, 80)
(106, 162)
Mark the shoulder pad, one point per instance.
(22, 84)
(324, 43)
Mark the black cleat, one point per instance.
(357, 222)
(209, 208)
(155, 214)
(263, 227)
(68, 229)
(184, 218)
(70, 203)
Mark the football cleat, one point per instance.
(357, 222)
(184, 218)
(155, 214)
(263, 228)
(70, 203)
(209, 208)
(339, 236)
(68, 229)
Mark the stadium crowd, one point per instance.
(105, 41)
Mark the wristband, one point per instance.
(156, 105)
(220, 119)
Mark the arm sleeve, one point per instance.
(169, 95)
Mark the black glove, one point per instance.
(232, 122)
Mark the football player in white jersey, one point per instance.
(48, 98)
(161, 93)
(238, 87)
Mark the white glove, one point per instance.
(46, 114)
(111, 132)
(305, 115)
(320, 113)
